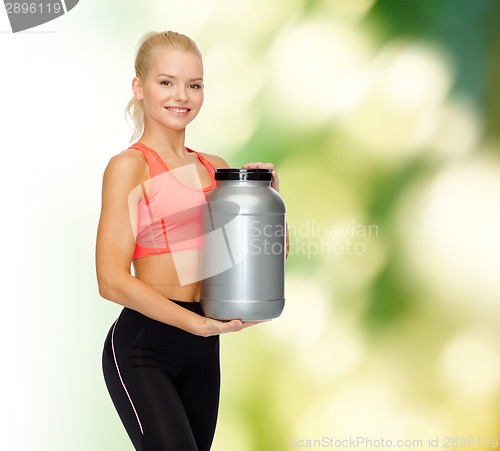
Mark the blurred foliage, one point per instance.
(465, 27)
(374, 343)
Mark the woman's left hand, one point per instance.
(275, 182)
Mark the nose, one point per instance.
(180, 94)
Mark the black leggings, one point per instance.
(164, 382)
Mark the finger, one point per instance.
(254, 165)
(259, 165)
(254, 323)
(231, 326)
(237, 325)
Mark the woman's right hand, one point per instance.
(216, 327)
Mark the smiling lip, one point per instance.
(177, 111)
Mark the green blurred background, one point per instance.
(382, 119)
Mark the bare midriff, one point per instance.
(164, 273)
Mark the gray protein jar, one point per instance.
(244, 249)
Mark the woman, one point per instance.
(161, 356)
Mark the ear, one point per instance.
(137, 88)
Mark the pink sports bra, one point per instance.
(169, 217)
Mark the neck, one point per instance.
(165, 140)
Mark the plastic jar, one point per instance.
(243, 257)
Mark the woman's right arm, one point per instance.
(115, 248)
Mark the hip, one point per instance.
(134, 334)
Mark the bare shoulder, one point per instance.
(128, 165)
(215, 160)
(129, 159)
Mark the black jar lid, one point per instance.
(243, 174)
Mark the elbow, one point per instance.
(112, 281)
(104, 291)
(107, 287)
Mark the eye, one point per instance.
(166, 83)
(196, 86)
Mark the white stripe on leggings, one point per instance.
(120, 376)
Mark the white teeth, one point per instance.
(178, 110)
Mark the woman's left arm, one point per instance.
(275, 183)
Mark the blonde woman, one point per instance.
(161, 356)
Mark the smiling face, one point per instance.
(172, 91)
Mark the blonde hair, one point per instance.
(147, 45)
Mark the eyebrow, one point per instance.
(175, 78)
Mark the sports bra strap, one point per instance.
(156, 166)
